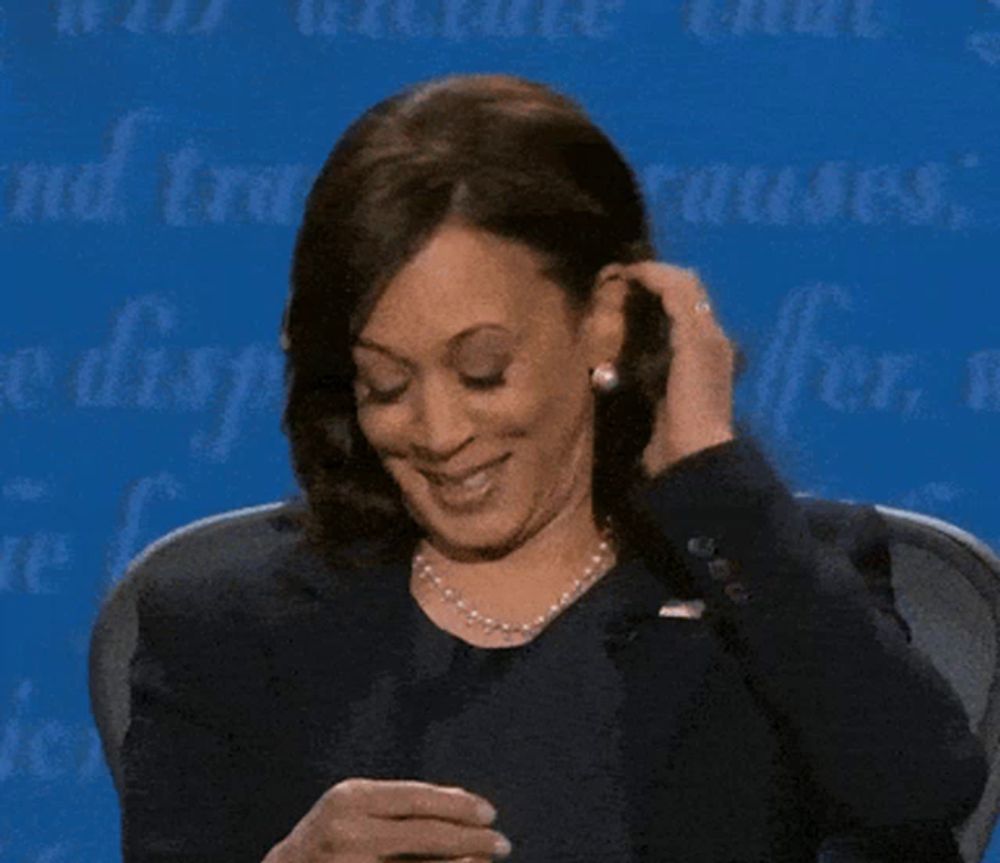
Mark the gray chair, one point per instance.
(946, 583)
(947, 587)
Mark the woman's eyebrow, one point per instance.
(382, 349)
(453, 343)
(456, 340)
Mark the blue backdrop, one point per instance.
(830, 166)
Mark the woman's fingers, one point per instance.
(432, 837)
(396, 818)
(356, 835)
(696, 332)
(682, 293)
(696, 409)
(449, 860)
(396, 798)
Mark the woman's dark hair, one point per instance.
(495, 152)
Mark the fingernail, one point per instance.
(502, 846)
(485, 812)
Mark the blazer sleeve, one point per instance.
(195, 783)
(885, 739)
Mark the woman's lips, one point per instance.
(471, 489)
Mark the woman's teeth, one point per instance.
(471, 491)
(477, 480)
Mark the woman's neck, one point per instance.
(525, 582)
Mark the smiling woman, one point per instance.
(521, 201)
(489, 433)
(471, 298)
(540, 580)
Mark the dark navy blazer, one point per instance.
(799, 680)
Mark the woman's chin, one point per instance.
(475, 539)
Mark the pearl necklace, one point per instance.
(599, 564)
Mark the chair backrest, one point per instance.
(947, 587)
(113, 637)
(946, 583)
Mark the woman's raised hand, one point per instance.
(697, 410)
(362, 820)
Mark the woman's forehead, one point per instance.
(460, 280)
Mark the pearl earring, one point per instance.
(604, 378)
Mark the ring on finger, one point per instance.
(702, 306)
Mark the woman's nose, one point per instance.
(443, 423)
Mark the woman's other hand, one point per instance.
(362, 820)
(697, 410)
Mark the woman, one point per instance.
(543, 591)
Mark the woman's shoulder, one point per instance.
(231, 566)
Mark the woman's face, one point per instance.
(473, 388)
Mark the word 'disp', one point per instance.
(134, 369)
(458, 19)
(131, 372)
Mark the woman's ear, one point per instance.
(605, 318)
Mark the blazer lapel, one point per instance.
(664, 648)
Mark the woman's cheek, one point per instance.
(519, 412)
(383, 428)
(386, 430)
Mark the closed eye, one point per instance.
(368, 394)
(487, 383)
